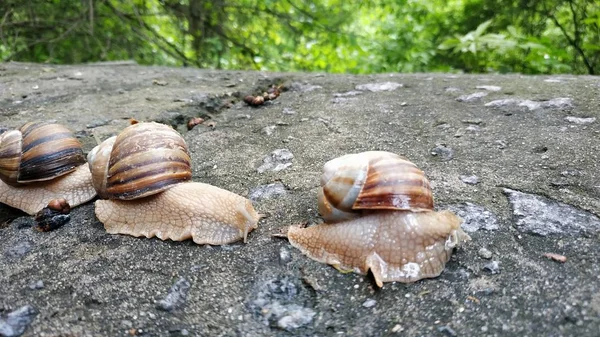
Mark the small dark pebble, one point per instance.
(448, 331)
(52, 216)
(492, 267)
(540, 149)
(176, 297)
(16, 322)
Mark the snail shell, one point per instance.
(145, 170)
(38, 151)
(378, 209)
(144, 159)
(41, 162)
(371, 180)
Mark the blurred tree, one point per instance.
(527, 36)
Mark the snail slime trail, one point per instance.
(378, 212)
(41, 162)
(145, 175)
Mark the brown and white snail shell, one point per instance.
(378, 209)
(41, 162)
(145, 173)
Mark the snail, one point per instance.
(145, 175)
(378, 209)
(41, 162)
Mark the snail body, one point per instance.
(41, 162)
(378, 209)
(145, 174)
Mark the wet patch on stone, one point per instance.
(268, 191)
(563, 103)
(382, 86)
(475, 217)
(278, 302)
(176, 297)
(276, 161)
(539, 215)
(16, 322)
(472, 97)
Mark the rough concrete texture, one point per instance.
(538, 135)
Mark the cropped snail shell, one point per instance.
(378, 209)
(41, 162)
(145, 171)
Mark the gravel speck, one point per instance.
(484, 253)
(448, 331)
(276, 161)
(269, 191)
(492, 267)
(369, 303)
(472, 97)
(176, 297)
(36, 285)
(471, 180)
(443, 152)
(475, 217)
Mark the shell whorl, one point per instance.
(38, 151)
(144, 159)
(373, 180)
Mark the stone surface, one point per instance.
(382, 86)
(542, 216)
(475, 217)
(472, 97)
(16, 322)
(268, 191)
(93, 281)
(276, 161)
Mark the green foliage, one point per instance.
(526, 36)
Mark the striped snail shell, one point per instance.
(379, 217)
(144, 159)
(41, 162)
(145, 171)
(371, 180)
(38, 151)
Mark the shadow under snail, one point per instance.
(145, 174)
(41, 162)
(378, 209)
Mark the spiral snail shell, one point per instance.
(145, 173)
(378, 209)
(41, 162)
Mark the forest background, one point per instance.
(338, 36)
